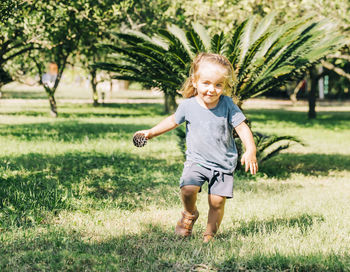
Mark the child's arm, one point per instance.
(164, 126)
(249, 156)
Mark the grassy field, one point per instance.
(76, 195)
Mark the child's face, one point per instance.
(210, 83)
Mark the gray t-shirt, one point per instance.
(209, 132)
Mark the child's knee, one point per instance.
(217, 202)
(189, 190)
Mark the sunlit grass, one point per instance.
(77, 195)
(75, 91)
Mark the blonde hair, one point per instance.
(188, 90)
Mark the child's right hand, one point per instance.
(146, 132)
(249, 160)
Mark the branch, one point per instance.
(5, 45)
(16, 46)
(18, 53)
(39, 70)
(335, 69)
(60, 71)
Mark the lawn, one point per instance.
(76, 194)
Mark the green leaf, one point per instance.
(195, 42)
(181, 35)
(203, 34)
(218, 43)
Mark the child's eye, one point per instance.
(219, 85)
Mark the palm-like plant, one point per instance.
(263, 55)
(267, 146)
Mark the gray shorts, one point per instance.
(219, 183)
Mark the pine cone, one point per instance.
(139, 140)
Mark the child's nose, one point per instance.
(211, 88)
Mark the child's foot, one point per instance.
(185, 224)
(208, 237)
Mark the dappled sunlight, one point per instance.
(120, 180)
(156, 248)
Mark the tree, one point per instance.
(102, 17)
(263, 55)
(13, 40)
(55, 28)
(106, 15)
(145, 16)
(59, 29)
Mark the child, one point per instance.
(211, 153)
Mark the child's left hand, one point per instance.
(250, 162)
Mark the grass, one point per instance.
(75, 91)
(76, 195)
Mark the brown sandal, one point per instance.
(207, 237)
(185, 224)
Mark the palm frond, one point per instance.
(176, 49)
(273, 153)
(263, 26)
(243, 69)
(151, 40)
(263, 55)
(113, 67)
(195, 42)
(269, 140)
(217, 43)
(203, 35)
(233, 49)
(181, 35)
(246, 38)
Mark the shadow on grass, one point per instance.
(34, 184)
(325, 119)
(153, 249)
(69, 131)
(303, 222)
(14, 94)
(88, 111)
(283, 165)
(286, 164)
(279, 262)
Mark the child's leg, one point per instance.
(190, 214)
(216, 213)
(189, 197)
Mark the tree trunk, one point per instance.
(94, 87)
(293, 96)
(312, 93)
(52, 101)
(4, 77)
(53, 105)
(169, 103)
(111, 86)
